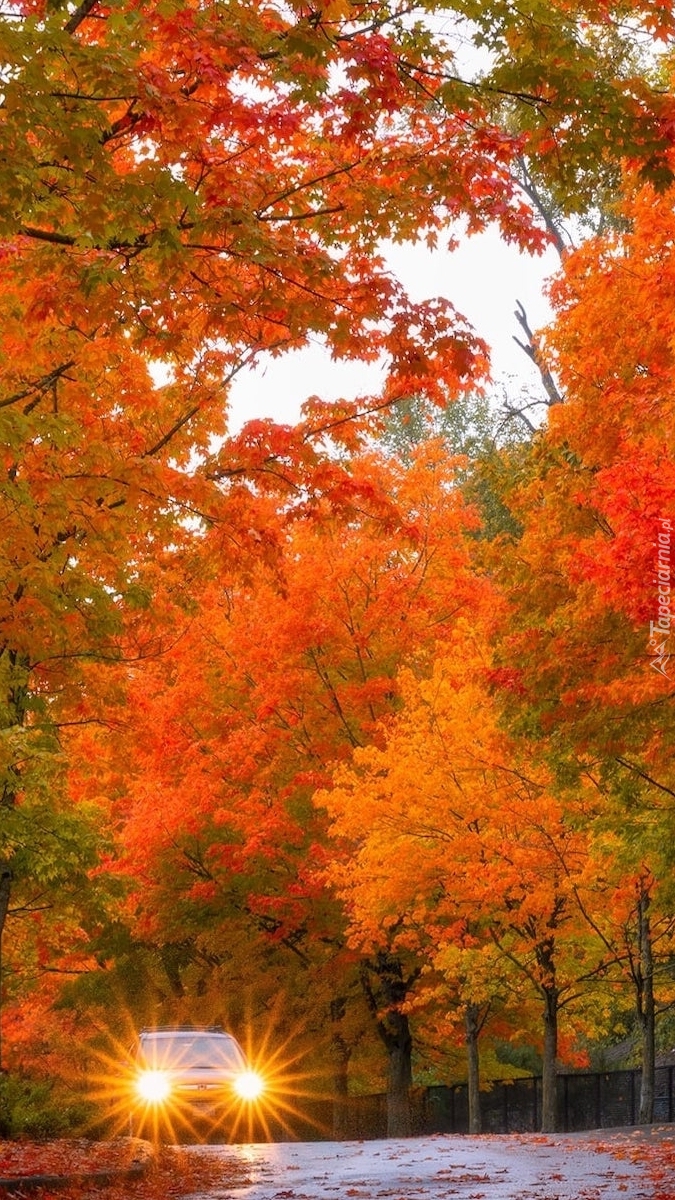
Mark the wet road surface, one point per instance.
(443, 1167)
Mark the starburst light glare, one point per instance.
(249, 1085)
(153, 1086)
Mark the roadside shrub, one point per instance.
(32, 1109)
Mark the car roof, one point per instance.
(172, 1031)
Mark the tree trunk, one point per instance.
(5, 892)
(172, 959)
(646, 1013)
(17, 705)
(472, 1028)
(549, 1080)
(341, 1054)
(385, 1001)
(399, 1077)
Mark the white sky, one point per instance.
(483, 278)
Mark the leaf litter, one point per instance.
(91, 1169)
(175, 1172)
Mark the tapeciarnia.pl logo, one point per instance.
(659, 630)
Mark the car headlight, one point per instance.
(249, 1085)
(153, 1086)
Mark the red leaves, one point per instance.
(654, 1149)
(120, 1170)
(595, 557)
(66, 1157)
(434, 353)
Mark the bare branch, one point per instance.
(531, 349)
(531, 191)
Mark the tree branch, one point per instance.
(39, 386)
(531, 349)
(529, 187)
(629, 766)
(79, 16)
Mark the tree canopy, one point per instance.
(367, 702)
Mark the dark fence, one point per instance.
(597, 1100)
(593, 1100)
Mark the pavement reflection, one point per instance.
(443, 1167)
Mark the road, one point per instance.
(443, 1167)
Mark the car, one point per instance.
(193, 1080)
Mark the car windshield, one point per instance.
(193, 1050)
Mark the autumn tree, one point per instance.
(151, 219)
(624, 895)
(191, 186)
(459, 841)
(288, 665)
(585, 653)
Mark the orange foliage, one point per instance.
(289, 665)
(459, 849)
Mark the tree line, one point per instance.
(357, 733)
